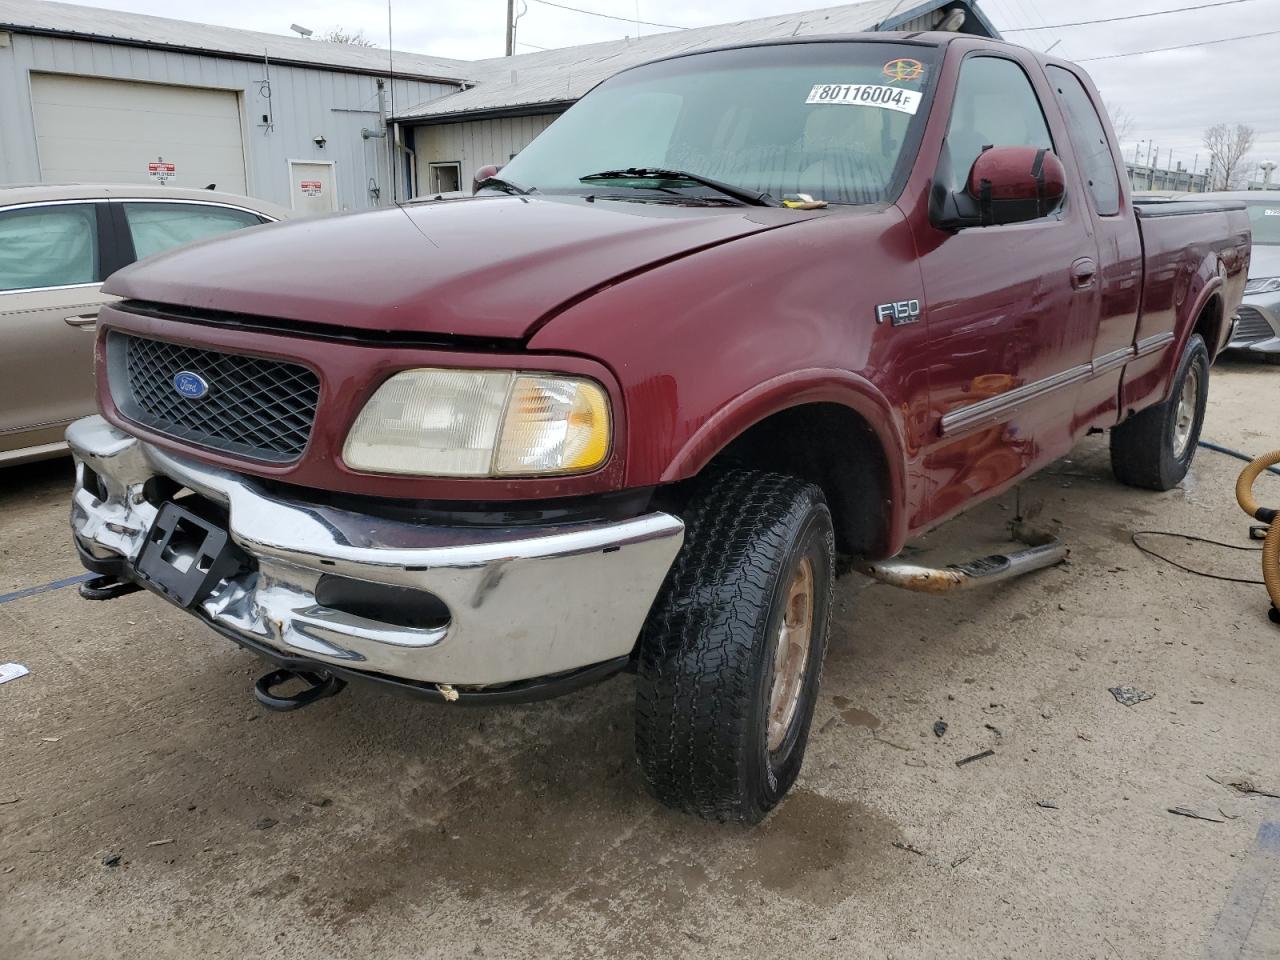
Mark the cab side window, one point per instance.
(1090, 139)
(995, 106)
(157, 227)
(49, 246)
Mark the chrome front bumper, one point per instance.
(523, 602)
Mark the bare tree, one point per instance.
(1121, 121)
(1228, 146)
(353, 38)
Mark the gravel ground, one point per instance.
(370, 827)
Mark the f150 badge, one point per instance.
(899, 313)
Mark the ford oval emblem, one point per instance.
(190, 385)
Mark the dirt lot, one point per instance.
(371, 827)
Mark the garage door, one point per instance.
(116, 131)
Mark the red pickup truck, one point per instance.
(734, 315)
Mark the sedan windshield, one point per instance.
(1265, 220)
(838, 121)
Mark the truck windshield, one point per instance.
(1265, 220)
(838, 121)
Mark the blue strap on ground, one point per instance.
(1235, 453)
(45, 588)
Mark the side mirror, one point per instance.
(1005, 185)
(483, 174)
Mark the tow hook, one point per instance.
(319, 686)
(107, 587)
(963, 576)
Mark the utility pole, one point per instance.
(511, 26)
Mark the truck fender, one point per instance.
(814, 385)
(1190, 319)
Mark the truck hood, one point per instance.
(489, 267)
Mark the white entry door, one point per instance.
(312, 187)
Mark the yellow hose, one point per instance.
(1271, 546)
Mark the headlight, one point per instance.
(1263, 285)
(481, 423)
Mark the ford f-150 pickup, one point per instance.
(736, 314)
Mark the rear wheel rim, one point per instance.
(791, 655)
(1184, 418)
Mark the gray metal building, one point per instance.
(90, 94)
(96, 95)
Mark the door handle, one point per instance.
(84, 320)
(1082, 273)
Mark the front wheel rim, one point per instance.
(791, 655)
(1184, 417)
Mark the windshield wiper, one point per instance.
(659, 173)
(506, 186)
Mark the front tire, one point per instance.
(732, 651)
(1154, 448)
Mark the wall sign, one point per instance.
(311, 188)
(159, 169)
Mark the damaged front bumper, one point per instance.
(514, 603)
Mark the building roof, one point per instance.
(552, 78)
(94, 23)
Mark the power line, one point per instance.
(1039, 18)
(610, 16)
(1132, 16)
(521, 43)
(1181, 46)
(1007, 13)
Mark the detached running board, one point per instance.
(964, 576)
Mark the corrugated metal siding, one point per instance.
(305, 103)
(475, 144)
(96, 23)
(926, 22)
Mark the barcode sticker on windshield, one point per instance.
(867, 95)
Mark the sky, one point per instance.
(1170, 97)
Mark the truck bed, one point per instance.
(1188, 248)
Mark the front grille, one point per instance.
(1251, 326)
(255, 407)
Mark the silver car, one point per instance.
(57, 245)
(1258, 319)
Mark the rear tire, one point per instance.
(732, 651)
(1154, 448)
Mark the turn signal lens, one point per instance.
(553, 425)
(480, 423)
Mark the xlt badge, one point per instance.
(900, 313)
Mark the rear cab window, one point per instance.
(1089, 137)
(157, 227)
(50, 245)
